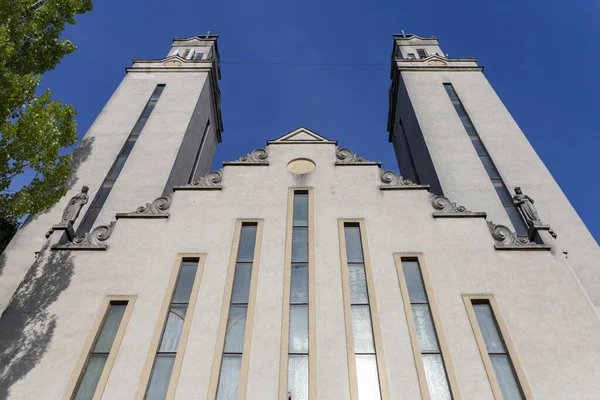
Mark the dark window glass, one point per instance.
(300, 244)
(360, 316)
(198, 56)
(186, 53)
(411, 56)
(115, 170)
(431, 355)
(88, 382)
(422, 53)
(247, 241)
(496, 348)
(236, 320)
(171, 335)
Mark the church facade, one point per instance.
(302, 270)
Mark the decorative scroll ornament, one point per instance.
(159, 208)
(94, 240)
(257, 157)
(211, 179)
(509, 240)
(97, 236)
(345, 156)
(392, 180)
(446, 208)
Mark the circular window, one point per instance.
(301, 166)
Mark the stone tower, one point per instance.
(159, 129)
(450, 130)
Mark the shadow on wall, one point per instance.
(26, 326)
(80, 155)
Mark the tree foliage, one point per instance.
(34, 129)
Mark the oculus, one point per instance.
(301, 166)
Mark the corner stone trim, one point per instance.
(257, 157)
(393, 181)
(210, 181)
(448, 209)
(94, 240)
(508, 240)
(346, 157)
(159, 208)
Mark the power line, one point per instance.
(306, 64)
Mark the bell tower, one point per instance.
(159, 129)
(450, 130)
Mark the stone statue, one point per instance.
(525, 204)
(74, 207)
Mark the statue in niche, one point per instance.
(525, 205)
(74, 207)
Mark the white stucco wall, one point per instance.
(551, 322)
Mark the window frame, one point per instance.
(312, 315)
(161, 323)
(79, 369)
(437, 323)
(469, 300)
(375, 322)
(226, 305)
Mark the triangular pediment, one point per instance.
(301, 135)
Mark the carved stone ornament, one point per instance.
(346, 157)
(393, 181)
(508, 240)
(257, 157)
(74, 207)
(210, 181)
(159, 208)
(446, 208)
(94, 240)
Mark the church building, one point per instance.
(301, 270)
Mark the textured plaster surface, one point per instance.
(551, 322)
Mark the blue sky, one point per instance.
(540, 56)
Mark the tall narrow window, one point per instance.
(113, 173)
(489, 166)
(430, 362)
(365, 357)
(171, 336)
(299, 287)
(496, 351)
(422, 53)
(97, 362)
(231, 363)
(199, 152)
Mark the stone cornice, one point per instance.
(159, 208)
(257, 157)
(210, 181)
(447, 209)
(393, 181)
(346, 157)
(508, 240)
(94, 240)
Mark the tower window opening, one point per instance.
(411, 56)
(198, 56)
(422, 53)
(186, 53)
